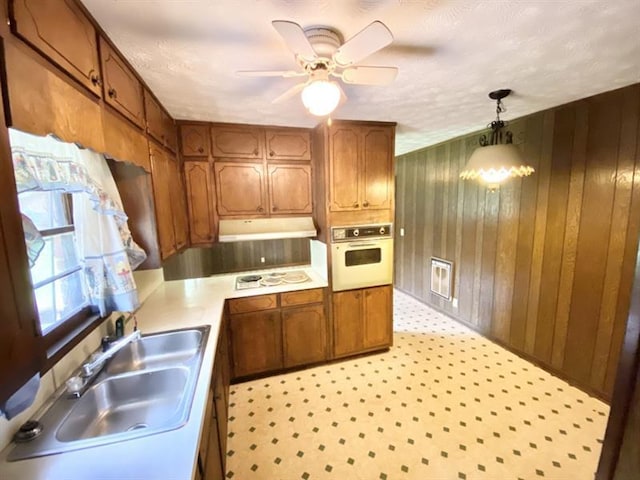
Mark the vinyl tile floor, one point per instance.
(442, 403)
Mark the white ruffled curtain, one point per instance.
(106, 249)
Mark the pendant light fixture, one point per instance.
(497, 158)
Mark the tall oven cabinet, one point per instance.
(353, 164)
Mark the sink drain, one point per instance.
(137, 426)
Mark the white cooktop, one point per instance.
(271, 279)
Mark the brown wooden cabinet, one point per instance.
(362, 320)
(237, 141)
(212, 452)
(178, 204)
(256, 342)
(122, 89)
(271, 332)
(161, 174)
(21, 350)
(194, 140)
(304, 335)
(289, 189)
(170, 203)
(360, 168)
(241, 189)
(159, 124)
(170, 132)
(288, 144)
(154, 117)
(199, 187)
(61, 31)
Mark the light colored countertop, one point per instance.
(170, 455)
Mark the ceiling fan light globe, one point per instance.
(321, 97)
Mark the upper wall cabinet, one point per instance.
(194, 140)
(73, 47)
(155, 125)
(360, 167)
(243, 142)
(288, 144)
(159, 124)
(122, 90)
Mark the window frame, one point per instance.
(63, 336)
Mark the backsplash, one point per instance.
(237, 257)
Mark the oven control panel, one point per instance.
(356, 232)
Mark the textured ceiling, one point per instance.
(450, 54)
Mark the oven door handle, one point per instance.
(362, 245)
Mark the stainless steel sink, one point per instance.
(156, 351)
(149, 400)
(146, 388)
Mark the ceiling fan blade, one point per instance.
(290, 93)
(369, 75)
(270, 73)
(295, 38)
(374, 37)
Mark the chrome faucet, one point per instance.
(76, 386)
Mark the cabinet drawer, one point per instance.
(253, 304)
(301, 297)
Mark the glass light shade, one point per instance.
(321, 97)
(493, 164)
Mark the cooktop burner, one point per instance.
(271, 279)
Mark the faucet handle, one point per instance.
(74, 386)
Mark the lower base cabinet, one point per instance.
(212, 453)
(272, 332)
(362, 320)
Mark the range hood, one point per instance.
(266, 229)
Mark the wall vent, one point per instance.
(441, 275)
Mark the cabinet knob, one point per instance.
(201, 150)
(365, 204)
(95, 79)
(275, 209)
(112, 93)
(259, 209)
(356, 205)
(255, 151)
(271, 153)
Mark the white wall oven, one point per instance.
(361, 256)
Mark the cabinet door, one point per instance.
(304, 331)
(122, 90)
(194, 140)
(161, 174)
(256, 342)
(290, 189)
(61, 31)
(377, 317)
(347, 322)
(213, 457)
(201, 202)
(169, 132)
(178, 204)
(240, 189)
(21, 352)
(343, 169)
(288, 144)
(377, 168)
(154, 113)
(237, 142)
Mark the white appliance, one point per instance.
(271, 279)
(265, 229)
(361, 256)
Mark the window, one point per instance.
(56, 275)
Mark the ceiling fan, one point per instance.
(321, 54)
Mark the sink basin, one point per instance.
(149, 400)
(146, 388)
(157, 351)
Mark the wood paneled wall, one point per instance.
(545, 264)
(237, 257)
